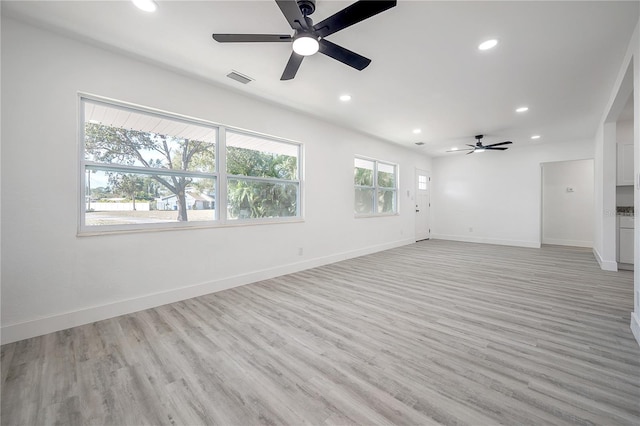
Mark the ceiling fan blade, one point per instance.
(292, 66)
(251, 38)
(351, 15)
(291, 11)
(472, 146)
(494, 148)
(498, 144)
(343, 55)
(471, 151)
(460, 150)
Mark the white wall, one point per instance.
(567, 203)
(624, 131)
(495, 197)
(53, 279)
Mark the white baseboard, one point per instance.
(515, 243)
(37, 327)
(635, 326)
(572, 243)
(605, 265)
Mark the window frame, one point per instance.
(377, 189)
(297, 181)
(219, 175)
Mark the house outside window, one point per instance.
(376, 190)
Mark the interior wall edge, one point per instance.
(37, 327)
(605, 265)
(485, 240)
(635, 326)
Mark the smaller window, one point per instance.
(422, 182)
(375, 187)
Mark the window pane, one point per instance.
(249, 155)
(116, 135)
(422, 182)
(363, 172)
(386, 201)
(249, 199)
(386, 175)
(364, 201)
(117, 198)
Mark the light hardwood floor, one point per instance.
(431, 333)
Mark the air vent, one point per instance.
(419, 143)
(235, 75)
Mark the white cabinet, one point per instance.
(626, 245)
(625, 164)
(625, 239)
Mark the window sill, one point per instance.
(368, 216)
(90, 232)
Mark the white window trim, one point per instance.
(376, 188)
(220, 176)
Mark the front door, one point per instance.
(422, 205)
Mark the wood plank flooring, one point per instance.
(436, 332)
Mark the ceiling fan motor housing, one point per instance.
(307, 7)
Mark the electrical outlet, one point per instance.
(470, 229)
(300, 251)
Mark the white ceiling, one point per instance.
(558, 58)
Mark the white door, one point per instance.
(422, 204)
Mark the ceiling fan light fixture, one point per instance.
(479, 150)
(489, 44)
(305, 44)
(146, 5)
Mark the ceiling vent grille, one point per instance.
(419, 143)
(235, 75)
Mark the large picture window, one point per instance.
(143, 169)
(375, 187)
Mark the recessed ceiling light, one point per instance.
(146, 5)
(416, 131)
(535, 137)
(345, 98)
(522, 109)
(489, 44)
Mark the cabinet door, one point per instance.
(626, 245)
(625, 164)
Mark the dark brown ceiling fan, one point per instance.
(481, 148)
(309, 38)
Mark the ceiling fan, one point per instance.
(308, 38)
(478, 147)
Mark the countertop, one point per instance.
(625, 211)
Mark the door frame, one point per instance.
(427, 173)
